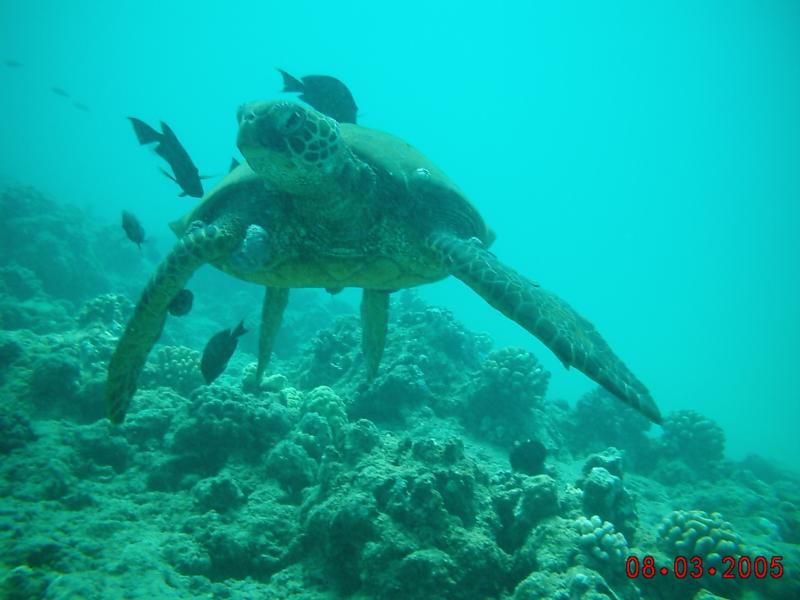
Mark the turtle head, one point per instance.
(288, 144)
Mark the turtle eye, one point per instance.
(289, 122)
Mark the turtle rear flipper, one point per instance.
(571, 337)
(374, 323)
(275, 301)
(144, 328)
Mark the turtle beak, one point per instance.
(251, 112)
(246, 117)
(255, 130)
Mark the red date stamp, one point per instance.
(727, 567)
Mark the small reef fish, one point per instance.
(218, 352)
(11, 63)
(234, 163)
(324, 93)
(60, 91)
(181, 304)
(81, 106)
(170, 149)
(133, 228)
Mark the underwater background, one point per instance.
(641, 160)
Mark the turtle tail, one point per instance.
(571, 337)
(144, 327)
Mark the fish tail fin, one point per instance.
(144, 133)
(168, 133)
(291, 84)
(240, 330)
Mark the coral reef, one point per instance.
(450, 475)
(697, 533)
(334, 354)
(527, 456)
(221, 423)
(110, 311)
(443, 335)
(18, 282)
(175, 367)
(691, 533)
(601, 543)
(55, 378)
(220, 493)
(10, 351)
(577, 583)
(599, 421)
(520, 503)
(693, 439)
(397, 392)
(51, 241)
(604, 494)
(37, 314)
(15, 431)
(511, 383)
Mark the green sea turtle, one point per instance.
(330, 205)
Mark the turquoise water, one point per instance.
(639, 159)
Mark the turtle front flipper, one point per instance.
(374, 322)
(571, 337)
(275, 300)
(144, 327)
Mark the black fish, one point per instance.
(171, 150)
(133, 228)
(60, 92)
(324, 93)
(14, 64)
(181, 304)
(218, 352)
(81, 106)
(234, 163)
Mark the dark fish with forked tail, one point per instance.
(218, 352)
(324, 93)
(133, 228)
(170, 149)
